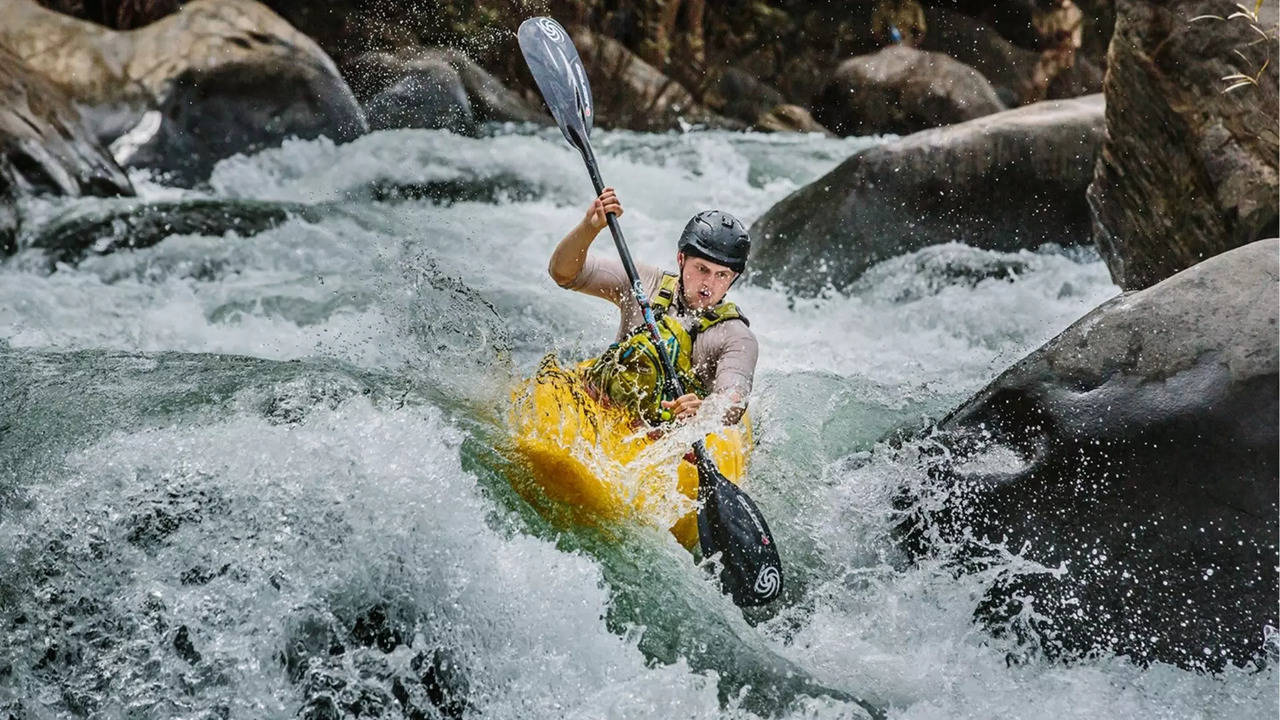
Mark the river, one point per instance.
(262, 476)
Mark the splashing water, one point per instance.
(255, 476)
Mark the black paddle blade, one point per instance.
(558, 70)
(730, 523)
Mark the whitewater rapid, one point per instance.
(225, 459)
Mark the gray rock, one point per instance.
(225, 76)
(1138, 451)
(740, 95)
(423, 91)
(789, 118)
(1010, 69)
(433, 88)
(901, 90)
(1007, 181)
(1187, 170)
(133, 224)
(628, 92)
(44, 147)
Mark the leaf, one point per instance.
(1246, 12)
(1257, 7)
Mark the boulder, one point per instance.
(219, 77)
(133, 224)
(1188, 169)
(628, 92)
(1007, 181)
(1134, 458)
(44, 147)
(433, 88)
(901, 90)
(789, 118)
(740, 95)
(422, 91)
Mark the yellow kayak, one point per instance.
(590, 457)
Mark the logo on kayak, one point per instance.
(768, 582)
(551, 28)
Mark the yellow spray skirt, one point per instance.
(589, 457)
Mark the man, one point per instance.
(708, 340)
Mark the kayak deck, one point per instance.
(591, 459)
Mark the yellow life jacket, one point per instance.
(630, 373)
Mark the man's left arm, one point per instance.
(735, 370)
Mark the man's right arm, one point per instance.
(570, 254)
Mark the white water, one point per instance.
(371, 502)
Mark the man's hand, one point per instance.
(606, 203)
(683, 407)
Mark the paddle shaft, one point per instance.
(637, 289)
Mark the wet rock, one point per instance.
(44, 147)
(131, 225)
(9, 226)
(628, 92)
(1187, 170)
(739, 94)
(1011, 70)
(928, 271)
(901, 90)
(419, 92)
(212, 80)
(1009, 181)
(1134, 458)
(789, 118)
(1082, 78)
(467, 187)
(433, 88)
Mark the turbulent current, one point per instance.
(262, 475)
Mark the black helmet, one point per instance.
(718, 237)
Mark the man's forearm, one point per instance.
(571, 254)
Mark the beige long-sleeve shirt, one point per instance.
(724, 356)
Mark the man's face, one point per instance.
(705, 282)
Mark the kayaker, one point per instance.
(708, 339)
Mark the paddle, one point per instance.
(729, 523)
